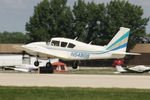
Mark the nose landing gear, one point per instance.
(36, 63)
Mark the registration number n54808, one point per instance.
(80, 54)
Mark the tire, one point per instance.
(48, 64)
(36, 63)
(75, 65)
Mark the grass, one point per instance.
(53, 93)
(91, 71)
(103, 71)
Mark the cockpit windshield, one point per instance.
(71, 45)
(64, 44)
(60, 44)
(55, 43)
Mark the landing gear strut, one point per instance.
(36, 63)
(75, 65)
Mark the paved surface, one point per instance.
(61, 80)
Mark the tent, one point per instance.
(59, 67)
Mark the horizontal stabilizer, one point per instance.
(132, 53)
(125, 53)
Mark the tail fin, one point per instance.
(119, 41)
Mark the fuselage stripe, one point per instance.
(94, 52)
(119, 40)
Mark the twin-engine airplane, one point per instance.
(69, 49)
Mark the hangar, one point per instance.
(144, 58)
(9, 56)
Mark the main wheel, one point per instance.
(36, 63)
(75, 65)
(48, 64)
(50, 67)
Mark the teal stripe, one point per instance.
(74, 50)
(120, 39)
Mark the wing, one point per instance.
(40, 51)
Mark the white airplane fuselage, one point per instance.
(81, 51)
(71, 49)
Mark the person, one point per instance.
(118, 62)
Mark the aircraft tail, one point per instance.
(119, 41)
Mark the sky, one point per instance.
(15, 13)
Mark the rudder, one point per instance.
(120, 40)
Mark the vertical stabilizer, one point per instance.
(119, 41)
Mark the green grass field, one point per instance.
(102, 71)
(52, 93)
(105, 71)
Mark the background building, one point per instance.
(9, 56)
(144, 58)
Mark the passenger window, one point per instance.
(55, 43)
(63, 44)
(71, 45)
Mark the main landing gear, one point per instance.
(75, 65)
(48, 64)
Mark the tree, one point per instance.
(99, 23)
(38, 26)
(13, 37)
(124, 14)
(87, 21)
(80, 19)
(96, 15)
(50, 19)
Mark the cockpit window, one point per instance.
(63, 44)
(55, 43)
(71, 45)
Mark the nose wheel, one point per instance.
(36, 63)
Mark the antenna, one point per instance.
(90, 42)
(76, 38)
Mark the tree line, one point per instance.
(87, 21)
(13, 37)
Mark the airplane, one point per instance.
(30, 67)
(136, 69)
(72, 49)
(24, 68)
